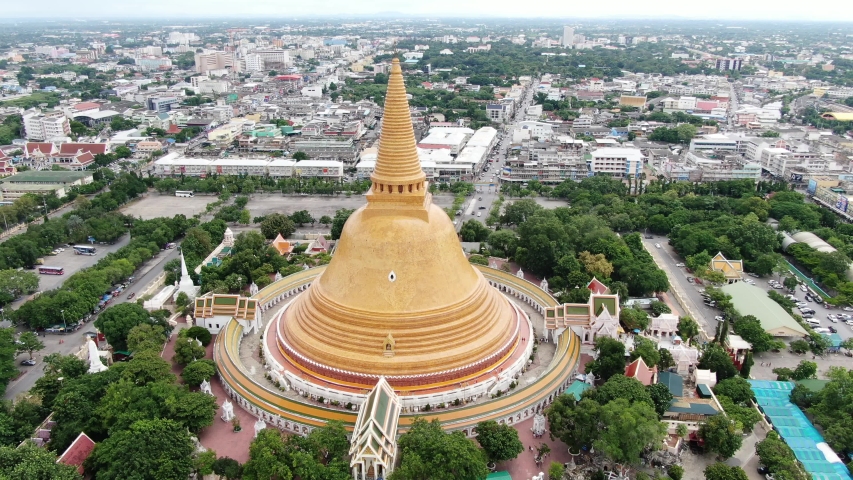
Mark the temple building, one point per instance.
(398, 323)
(731, 269)
(596, 318)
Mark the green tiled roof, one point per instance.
(673, 381)
(577, 310)
(576, 389)
(752, 300)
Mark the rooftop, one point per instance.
(58, 177)
(752, 300)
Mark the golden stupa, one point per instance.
(399, 298)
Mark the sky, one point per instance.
(830, 10)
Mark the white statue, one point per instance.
(541, 476)
(189, 320)
(520, 273)
(259, 425)
(494, 265)
(278, 276)
(544, 284)
(590, 378)
(253, 289)
(538, 424)
(205, 387)
(95, 363)
(227, 411)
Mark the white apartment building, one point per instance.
(43, 127)
(617, 162)
(252, 62)
(537, 129)
(716, 141)
(273, 56)
(205, 62)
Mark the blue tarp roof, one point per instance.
(577, 388)
(798, 432)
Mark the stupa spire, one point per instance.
(398, 168)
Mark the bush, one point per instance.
(198, 371)
(201, 334)
(675, 472)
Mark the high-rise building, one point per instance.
(45, 126)
(252, 62)
(729, 63)
(568, 36)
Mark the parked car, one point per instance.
(28, 362)
(752, 274)
(690, 279)
(832, 318)
(719, 318)
(679, 264)
(657, 245)
(807, 315)
(804, 288)
(832, 329)
(132, 294)
(848, 309)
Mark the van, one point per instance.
(813, 321)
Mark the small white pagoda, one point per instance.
(186, 284)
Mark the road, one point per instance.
(482, 200)
(70, 343)
(703, 314)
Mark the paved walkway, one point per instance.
(219, 437)
(524, 466)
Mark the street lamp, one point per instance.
(64, 327)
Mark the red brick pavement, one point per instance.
(524, 466)
(219, 437)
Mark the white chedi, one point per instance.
(205, 387)
(259, 425)
(227, 411)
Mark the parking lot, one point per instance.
(705, 314)
(153, 205)
(73, 263)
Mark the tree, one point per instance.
(29, 342)
(147, 367)
(245, 217)
(123, 152)
(187, 349)
(628, 430)
(721, 471)
(799, 346)
(500, 442)
(556, 471)
(430, 453)
(610, 359)
(661, 397)
(300, 155)
(116, 322)
(198, 371)
(229, 468)
(203, 463)
(715, 358)
(634, 318)
(666, 359)
(268, 457)
(596, 265)
(325, 220)
(626, 388)
(32, 462)
(341, 217)
(743, 415)
(688, 329)
(722, 435)
(474, 231)
(805, 369)
(157, 449)
(201, 334)
(574, 422)
(646, 349)
(736, 388)
(302, 217)
(751, 330)
(659, 308)
(146, 337)
(506, 241)
(790, 282)
(277, 224)
(777, 456)
(14, 283)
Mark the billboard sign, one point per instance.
(812, 188)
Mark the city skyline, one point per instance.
(662, 9)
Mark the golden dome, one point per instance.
(399, 298)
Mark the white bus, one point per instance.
(84, 250)
(183, 193)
